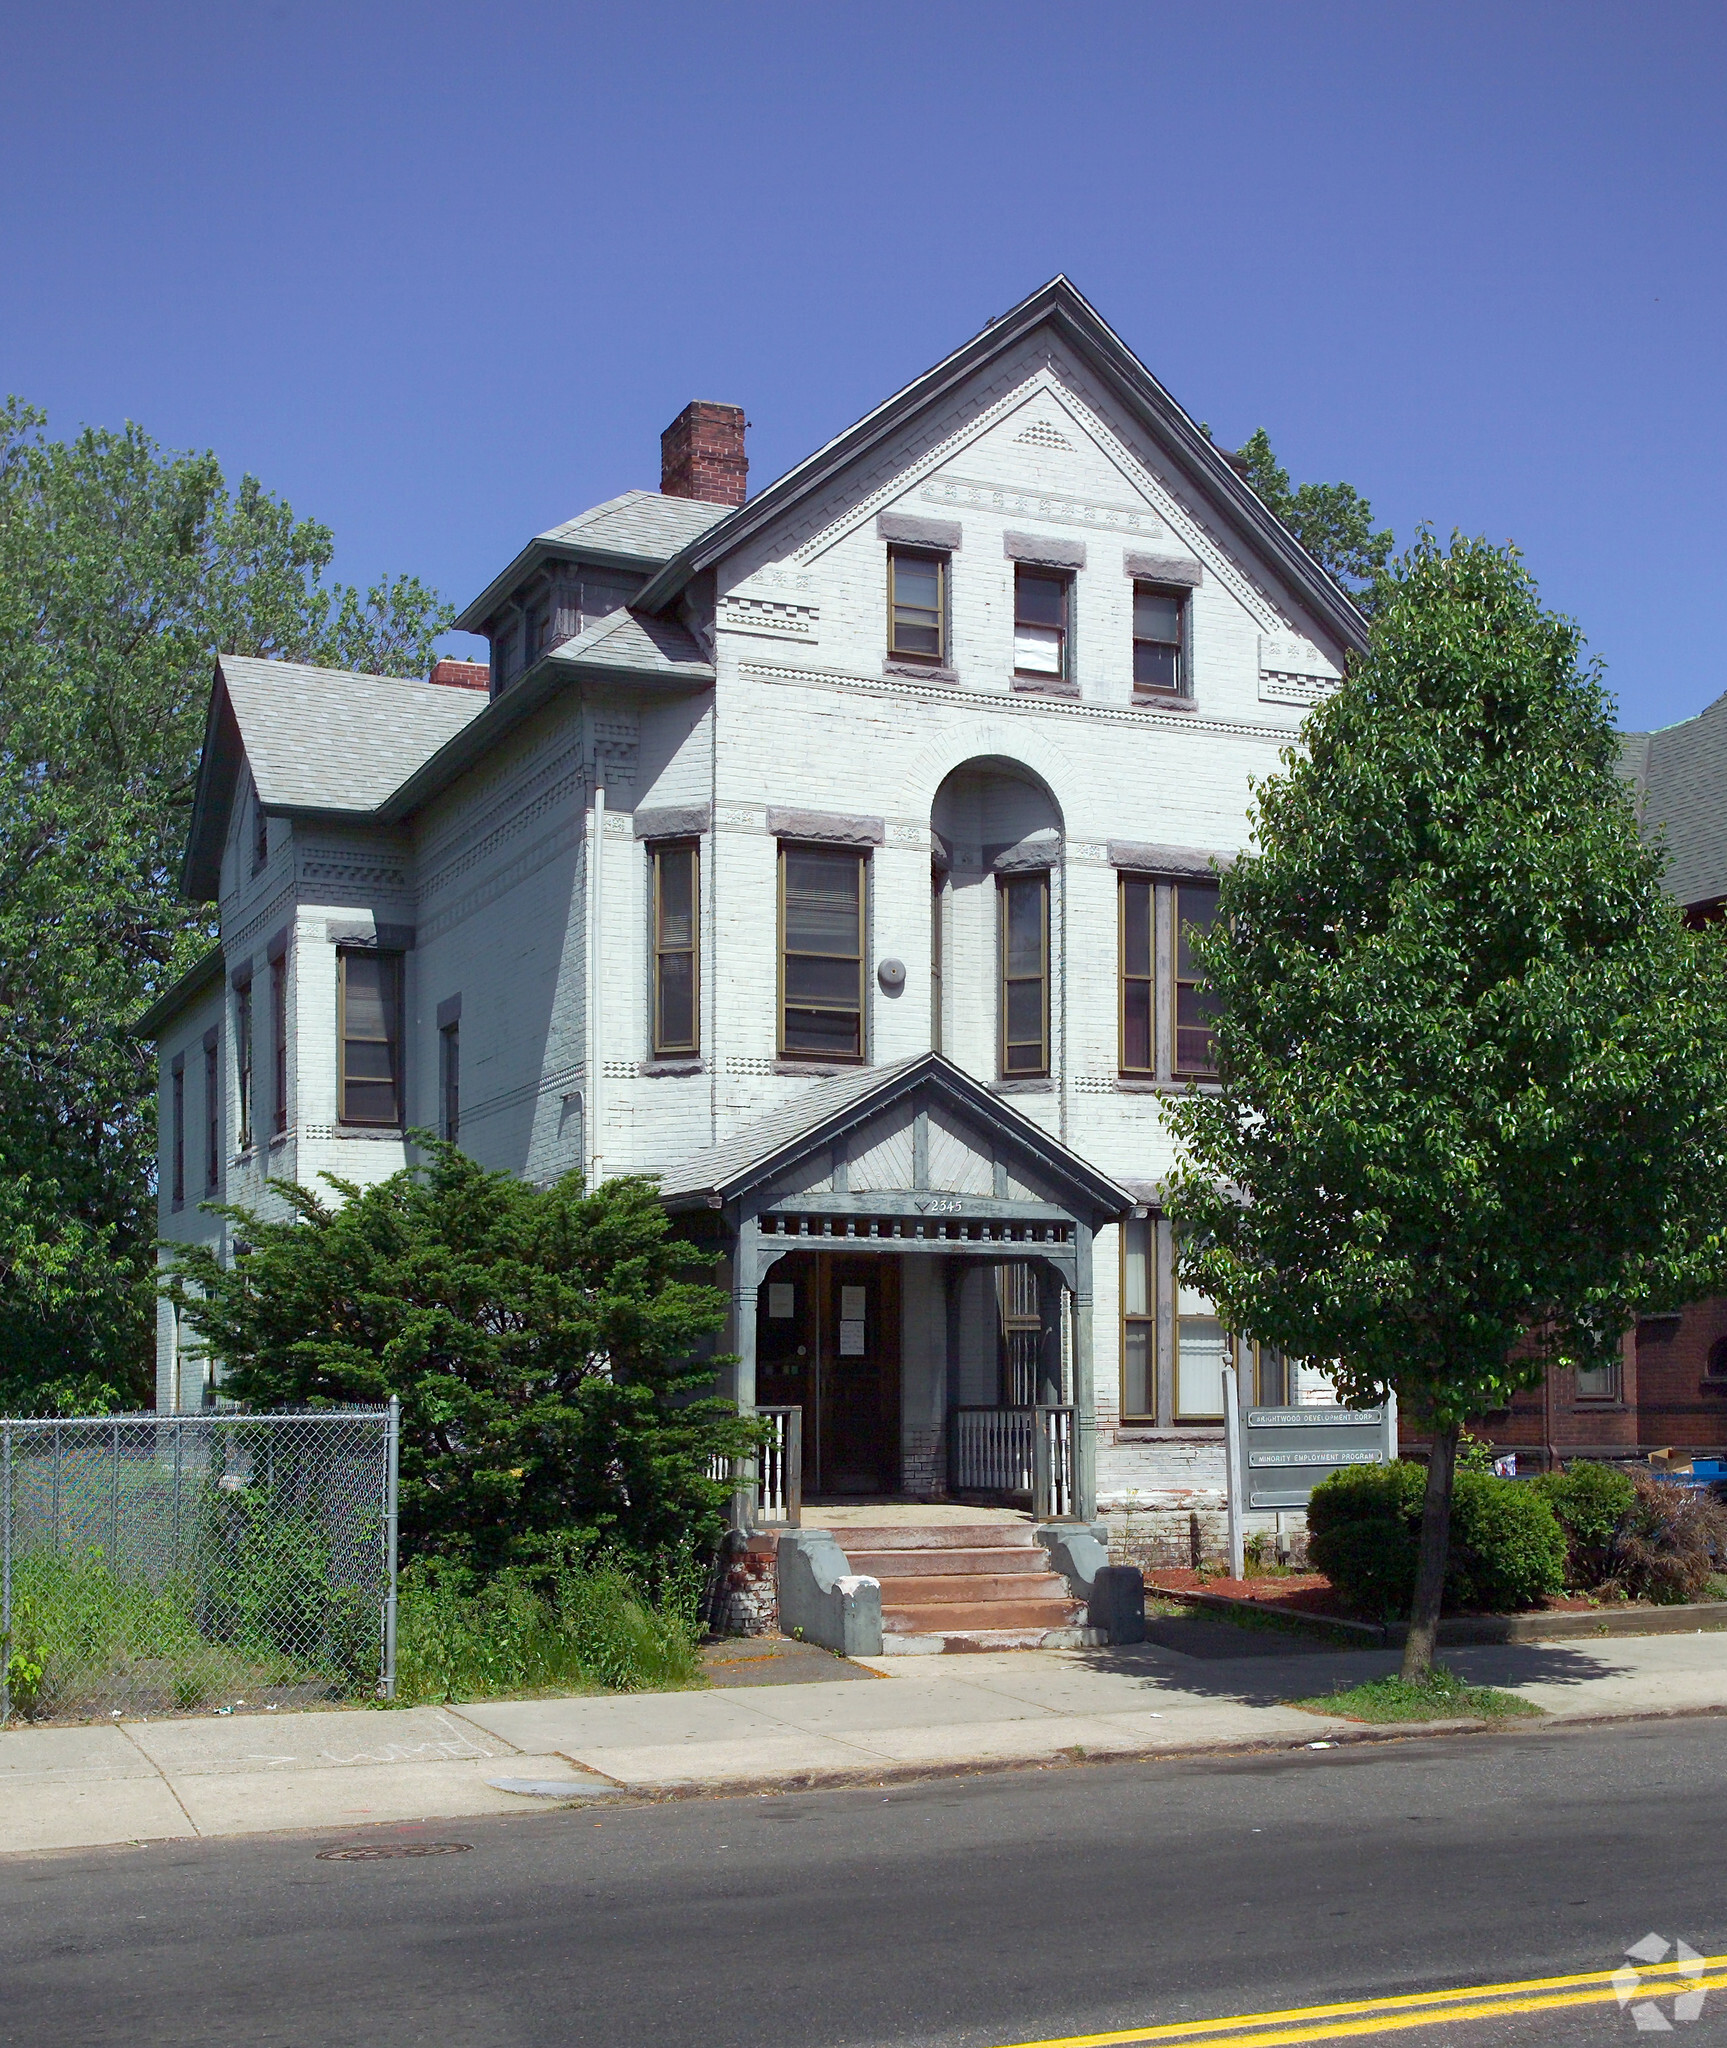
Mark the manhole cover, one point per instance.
(381, 1852)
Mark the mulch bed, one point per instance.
(1311, 1593)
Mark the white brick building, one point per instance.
(941, 734)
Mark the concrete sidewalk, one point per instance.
(1221, 1689)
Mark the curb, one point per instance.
(1462, 1631)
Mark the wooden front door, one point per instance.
(859, 1373)
(827, 1341)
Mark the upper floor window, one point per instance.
(1138, 942)
(1193, 910)
(1040, 623)
(1158, 619)
(821, 952)
(260, 834)
(917, 607)
(177, 1130)
(450, 1082)
(369, 1004)
(1024, 901)
(1598, 1382)
(677, 979)
(243, 1061)
(937, 906)
(212, 1114)
(279, 1043)
(503, 657)
(535, 621)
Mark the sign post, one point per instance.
(1233, 1475)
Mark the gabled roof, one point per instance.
(320, 742)
(1679, 774)
(639, 531)
(620, 648)
(767, 1147)
(1078, 324)
(179, 995)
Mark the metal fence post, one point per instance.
(114, 1506)
(392, 1473)
(6, 1577)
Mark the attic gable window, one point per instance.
(1159, 617)
(917, 606)
(1040, 623)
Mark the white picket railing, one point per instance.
(778, 1486)
(1022, 1453)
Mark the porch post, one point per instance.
(744, 1290)
(1084, 1379)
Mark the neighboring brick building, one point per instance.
(1669, 1389)
(829, 853)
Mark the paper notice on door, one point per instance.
(852, 1303)
(851, 1336)
(782, 1300)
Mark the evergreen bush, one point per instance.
(1364, 1533)
(1590, 1500)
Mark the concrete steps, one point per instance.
(966, 1586)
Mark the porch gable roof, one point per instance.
(766, 1149)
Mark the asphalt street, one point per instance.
(1010, 1907)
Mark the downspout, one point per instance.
(596, 909)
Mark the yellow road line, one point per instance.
(1362, 2016)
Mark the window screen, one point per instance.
(371, 1032)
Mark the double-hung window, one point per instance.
(1040, 624)
(1138, 943)
(279, 1043)
(677, 979)
(177, 1129)
(1598, 1382)
(1139, 1319)
(1158, 639)
(1193, 910)
(243, 1061)
(822, 894)
(450, 1082)
(1201, 1347)
(917, 607)
(1024, 917)
(370, 1028)
(212, 1113)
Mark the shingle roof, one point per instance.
(327, 739)
(622, 641)
(760, 1149)
(1683, 786)
(731, 1160)
(638, 523)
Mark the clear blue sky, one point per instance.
(440, 275)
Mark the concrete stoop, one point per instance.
(967, 1586)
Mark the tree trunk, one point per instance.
(1435, 1544)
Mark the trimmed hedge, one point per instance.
(1364, 1533)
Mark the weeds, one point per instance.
(1441, 1696)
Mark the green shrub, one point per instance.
(1591, 1501)
(1668, 1545)
(460, 1638)
(1364, 1532)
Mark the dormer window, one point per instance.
(503, 657)
(534, 623)
(260, 835)
(917, 606)
(1040, 623)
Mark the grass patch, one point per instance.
(1441, 1696)
(588, 1630)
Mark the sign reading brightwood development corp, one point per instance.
(1288, 1451)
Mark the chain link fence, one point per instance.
(166, 1563)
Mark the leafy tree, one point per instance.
(124, 570)
(1334, 522)
(542, 1342)
(1473, 1067)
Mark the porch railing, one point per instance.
(1024, 1453)
(778, 1487)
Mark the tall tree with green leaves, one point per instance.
(1472, 1104)
(544, 1343)
(1334, 522)
(124, 570)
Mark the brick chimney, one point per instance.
(462, 675)
(702, 454)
